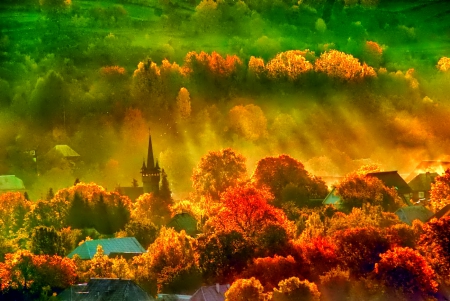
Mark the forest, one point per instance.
(251, 104)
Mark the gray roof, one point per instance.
(111, 289)
(211, 293)
(123, 245)
(411, 213)
(392, 179)
(422, 182)
(11, 183)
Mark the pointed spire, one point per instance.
(150, 160)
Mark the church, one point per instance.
(151, 176)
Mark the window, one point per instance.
(421, 194)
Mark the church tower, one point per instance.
(151, 174)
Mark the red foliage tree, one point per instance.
(320, 255)
(271, 270)
(360, 248)
(245, 210)
(435, 243)
(407, 270)
(440, 191)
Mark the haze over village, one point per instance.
(224, 150)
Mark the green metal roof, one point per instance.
(65, 151)
(332, 199)
(11, 183)
(88, 249)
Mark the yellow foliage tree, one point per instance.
(248, 121)
(344, 66)
(183, 104)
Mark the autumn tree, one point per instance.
(153, 208)
(356, 190)
(13, 209)
(248, 121)
(284, 172)
(246, 290)
(405, 269)
(360, 248)
(336, 64)
(170, 261)
(434, 242)
(217, 171)
(222, 256)
(289, 65)
(293, 289)
(443, 64)
(26, 275)
(440, 191)
(142, 229)
(320, 255)
(245, 209)
(100, 266)
(271, 270)
(183, 107)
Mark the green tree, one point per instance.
(46, 241)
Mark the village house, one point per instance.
(127, 247)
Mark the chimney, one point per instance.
(218, 288)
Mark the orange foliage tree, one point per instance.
(217, 171)
(278, 172)
(211, 64)
(296, 289)
(246, 290)
(245, 209)
(288, 65)
(440, 191)
(343, 66)
(27, 274)
(434, 243)
(405, 269)
(170, 262)
(356, 190)
(443, 64)
(13, 208)
(271, 270)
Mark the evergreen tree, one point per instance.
(46, 241)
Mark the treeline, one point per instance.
(246, 224)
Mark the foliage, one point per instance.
(46, 241)
(336, 64)
(183, 104)
(13, 208)
(90, 205)
(443, 64)
(271, 270)
(222, 256)
(440, 191)
(335, 284)
(407, 270)
(320, 255)
(294, 289)
(277, 173)
(170, 261)
(28, 274)
(217, 171)
(142, 229)
(356, 190)
(248, 121)
(245, 290)
(245, 210)
(434, 242)
(360, 248)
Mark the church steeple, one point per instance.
(151, 174)
(150, 160)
